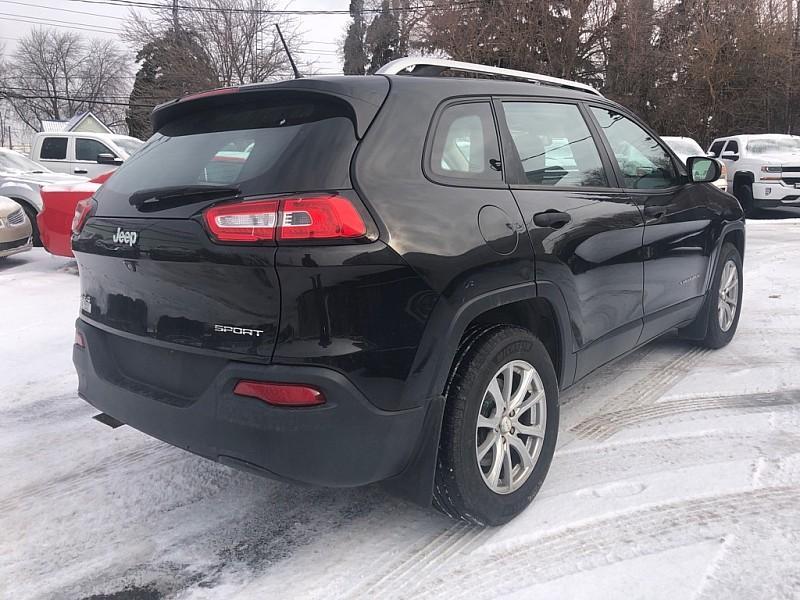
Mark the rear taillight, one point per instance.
(328, 217)
(280, 394)
(79, 340)
(83, 210)
(244, 222)
(320, 218)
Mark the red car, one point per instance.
(55, 220)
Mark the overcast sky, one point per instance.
(18, 16)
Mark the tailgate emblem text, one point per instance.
(125, 237)
(238, 330)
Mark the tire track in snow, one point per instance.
(603, 426)
(72, 481)
(604, 541)
(642, 393)
(456, 540)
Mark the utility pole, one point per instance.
(175, 23)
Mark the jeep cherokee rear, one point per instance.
(341, 281)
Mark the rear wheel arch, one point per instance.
(535, 314)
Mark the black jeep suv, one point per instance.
(346, 280)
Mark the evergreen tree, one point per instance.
(171, 66)
(355, 58)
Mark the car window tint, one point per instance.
(642, 160)
(54, 148)
(733, 146)
(716, 149)
(465, 142)
(554, 144)
(86, 149)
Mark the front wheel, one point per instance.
(725, 298)
(30, 212)
(500, 427)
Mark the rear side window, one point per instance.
(716, 148)
(733, 146)
(644, 163)
(267, 143)
(54, 148)
(554, 145)
(465, 145)
(86, 149)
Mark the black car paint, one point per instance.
(377, 325)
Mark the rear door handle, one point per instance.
(655, 212)
(80, 171)
(551, 218)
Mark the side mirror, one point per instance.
(703, 169)
(730, 156)
(108, 159)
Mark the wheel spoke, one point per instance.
(488, 422)
(493, 476)
(497, 396)
(534, 430)
(508, 466)
(530, 403)
(508, 380)
(522, 450)
(487, 444)
(522, 390)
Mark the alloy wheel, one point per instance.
(511, 426)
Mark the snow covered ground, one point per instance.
(677, 476)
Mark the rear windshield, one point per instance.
(295, 144)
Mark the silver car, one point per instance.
(15, 228)
(21, 179)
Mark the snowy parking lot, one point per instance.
(677, 476)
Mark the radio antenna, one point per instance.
(289, 54)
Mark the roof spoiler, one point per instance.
(434, 67)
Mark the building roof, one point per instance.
(50, 126)
(53, 126)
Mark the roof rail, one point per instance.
(434, 67)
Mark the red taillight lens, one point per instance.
(312, 218)
(79, 341)
(83, 210)
(244, 222)
(280, 394)
(320, 218)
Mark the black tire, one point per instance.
(460, 491)
(744, 193)
(716, 337)
(31, 214)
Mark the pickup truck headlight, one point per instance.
(774, 173)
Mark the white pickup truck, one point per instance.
(82, 153)
(763, 170)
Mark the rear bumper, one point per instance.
(346, 442)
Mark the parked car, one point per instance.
(15, 228)
(685, 147)
(55, 219)
(399, 279)
(21, 179)
(763, 170)
(79, 153)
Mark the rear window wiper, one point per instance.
(165, 197)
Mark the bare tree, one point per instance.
(55, 75)
(238, 36)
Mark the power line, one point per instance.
(56, 23)
(67, 10)
(151, 5)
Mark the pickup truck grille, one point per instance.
(791, 169)
(791, 180)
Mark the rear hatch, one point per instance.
(150, 269)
